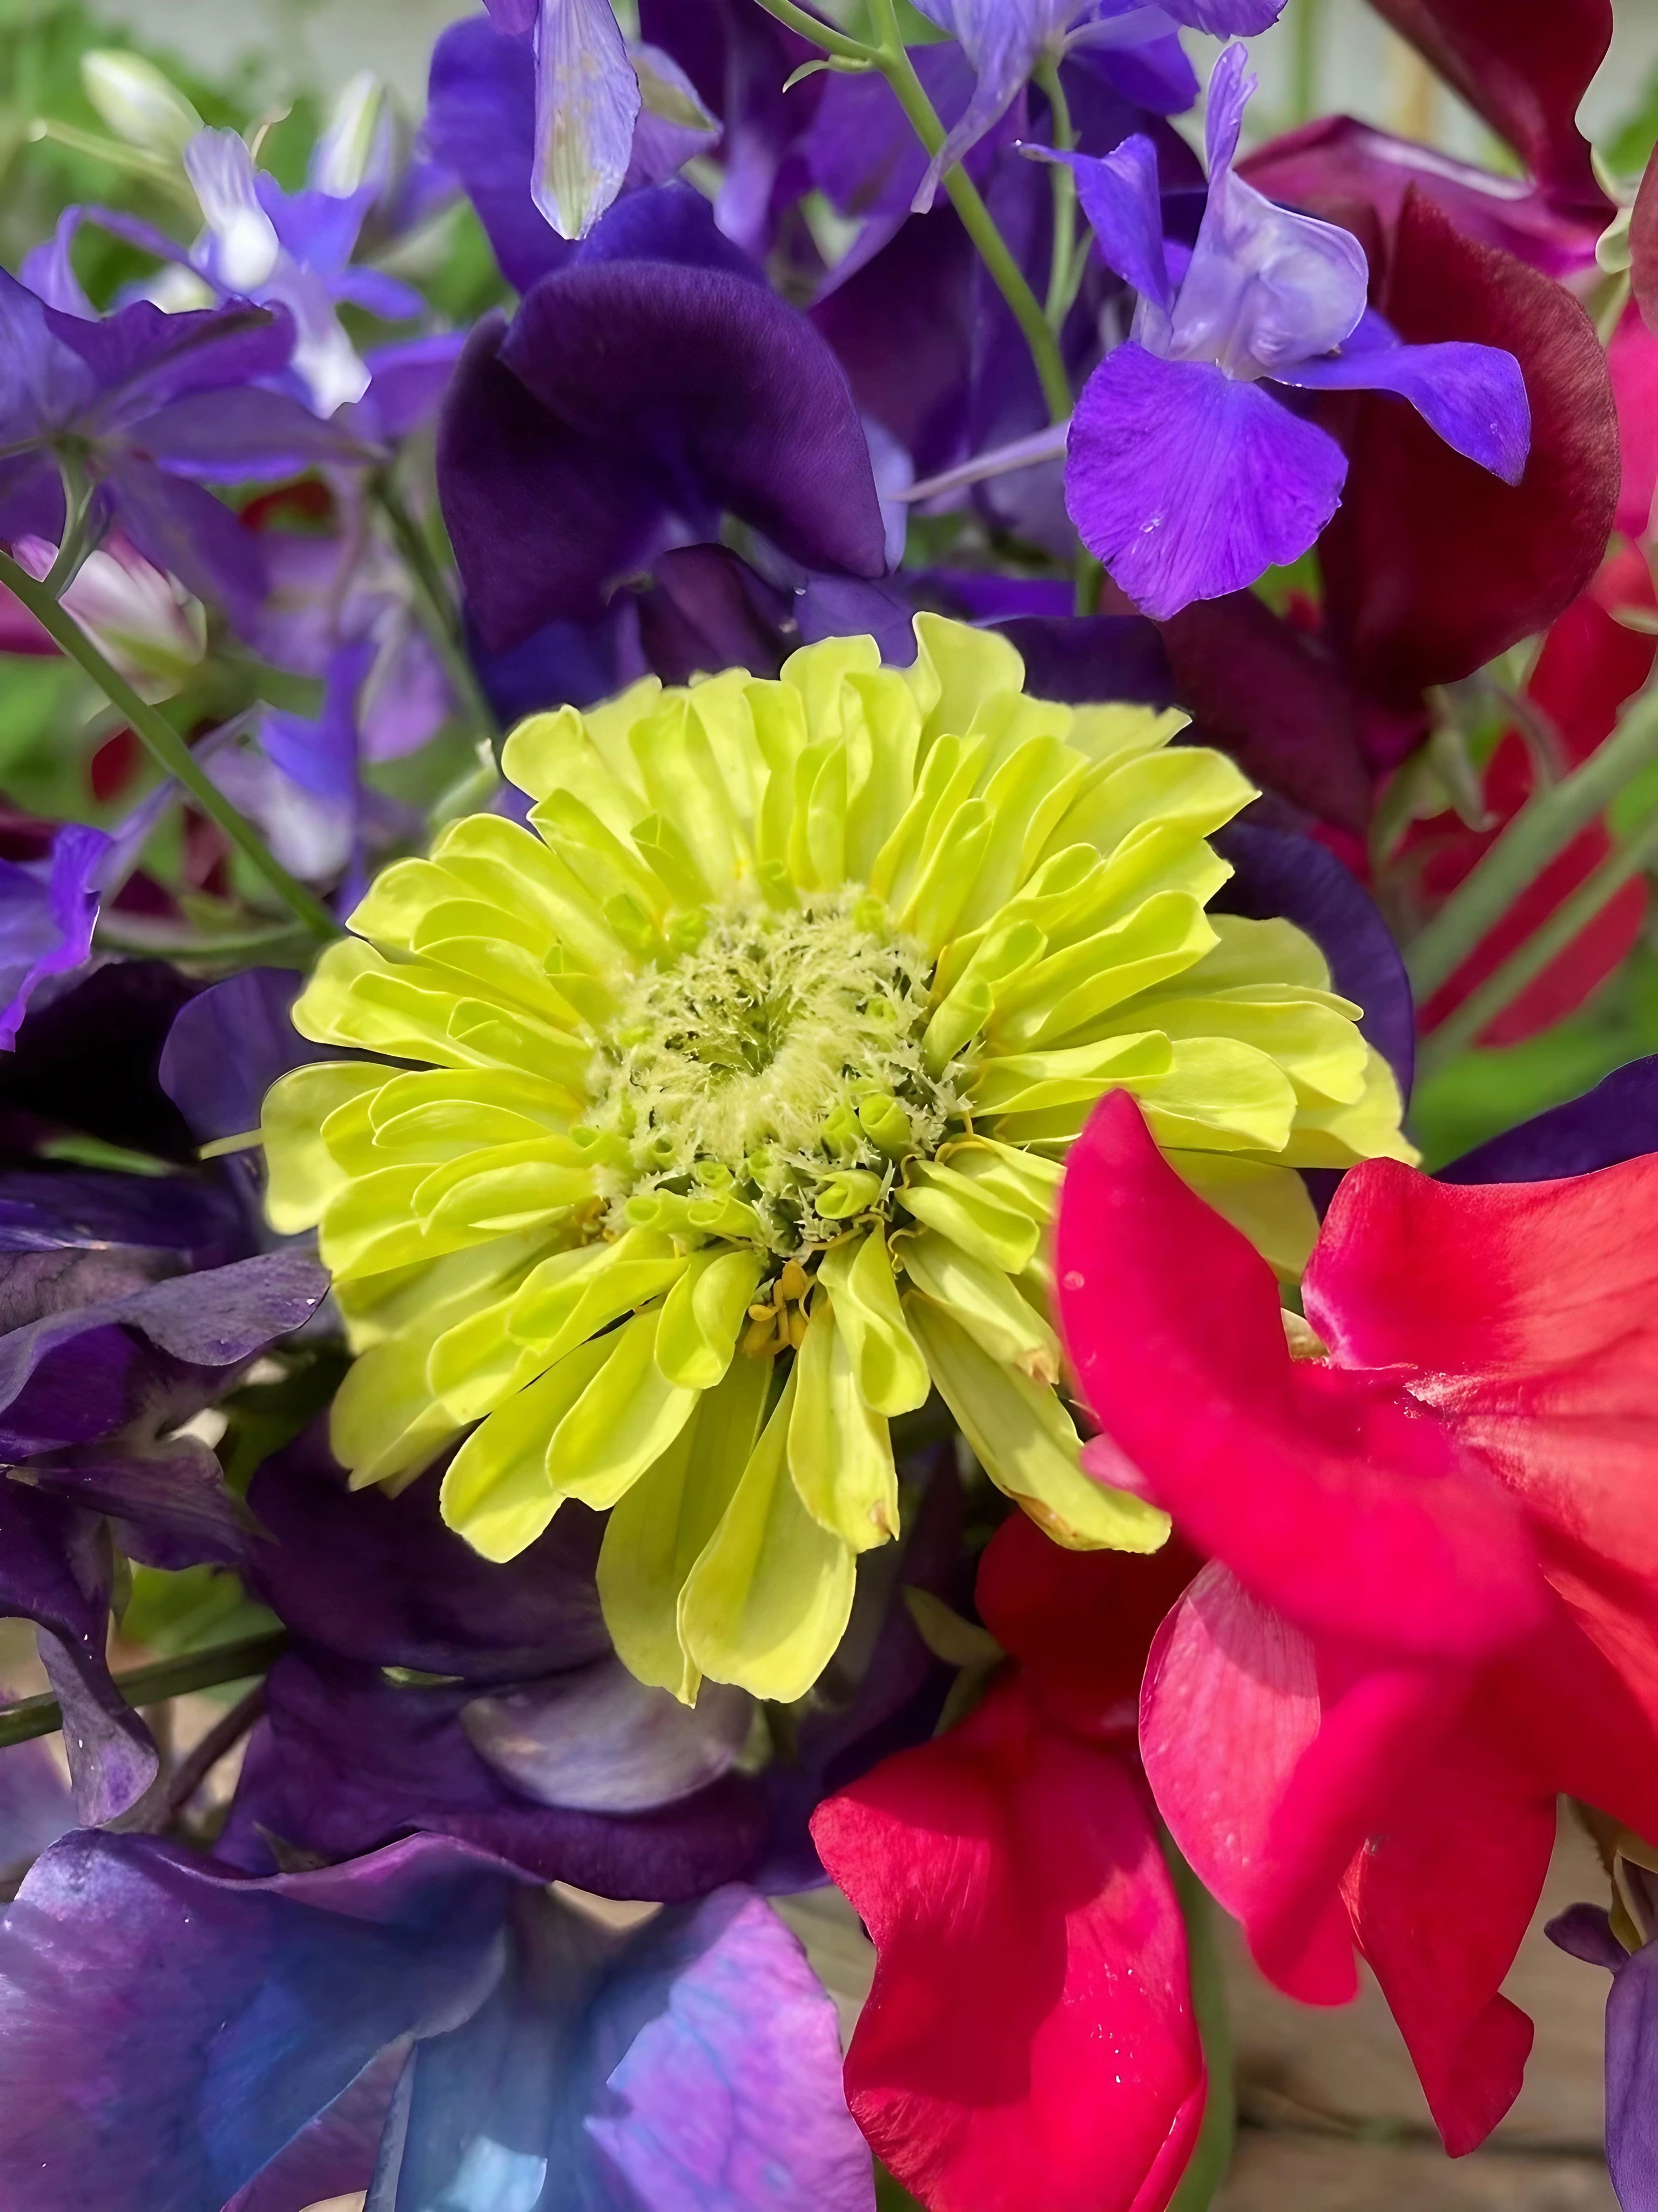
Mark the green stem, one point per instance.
(1542, 829)
(149, 1686)
(980, 224)
(1527, 962)
(118, 932)
(442, 623)
(77, 508)
(821, 33)
(165, 744)
(1061, 282)
(1308, 26)
(1212, 2152)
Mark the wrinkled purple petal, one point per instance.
(731, 2098)
(480, 122)
(46, 924)
(229, 436)
(1277, 873)
(1474, 396)
(1188, 484)
(1122, 199)
(1617, 1121)
(586, 103)
(599, 1741)
(385, 1580)
(166, 2028)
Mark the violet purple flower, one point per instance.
(425, 2019)
(1626, 1943)
(1007, 40)
(1182, 476)
(47, 911)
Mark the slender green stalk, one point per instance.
(120, 934)
(1062, 272)
(821, 33)
(1213, 2152)
(1527, 962)
(1542, 829)
(149, 1686)
(165, 744)
(1307, 29)
(442, 621)
(77, 512)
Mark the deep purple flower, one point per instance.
(425, 2019)
(1006, 39)
(1631, 2061)
(153, 402)
(47, 910)
(1182, 476)
(1617, 1121)
(638, 394)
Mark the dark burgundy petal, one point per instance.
(730, 396)
(1524, 70)
(540, 519)
(1275, 699)
(1433, 565)
(1643, 244)
(1277, 872)
(383, 1580)
(168, 2027)
(1617, 1121)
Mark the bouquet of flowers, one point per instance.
(766, 801)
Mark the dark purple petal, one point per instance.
(1585, 1932)
(705, 610)
(335, 2155)
(845, 606)
(142, 358)
(1473, 395)
(539, 518)
(669, 222)
(383, 1580)
(226, 437)
(47, 919)
(1156, 75)
(599, 1741)
(1122, 199)
(480, 122)
(1080, 659)
(409, 381)
(572, 663)
(228, 1045)
(346, 1759)
(1277, 873)
(183, 529)
(136, 1226)
(734, 397)
(1225, 19)
(1617, 1121)
(44, 383)
(1186, 484)
(1632, 2082)
(166, 2027)
(88, 1059)
(169, 1501)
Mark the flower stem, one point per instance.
(1308, 28)
(895, 64)
(1527, 962)
(1212, 2152)
(1063, 266)
(165, 744)
(1545, 827)
(821, 33)
(149, 1686)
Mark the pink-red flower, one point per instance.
(1433, 1561)
(1028, 2040)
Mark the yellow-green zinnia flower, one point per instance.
(742, 1081)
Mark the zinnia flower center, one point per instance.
(769, 1081)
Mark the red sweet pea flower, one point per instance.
(1430, 1603)
(1028, 2039)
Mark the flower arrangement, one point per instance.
(826, 1070)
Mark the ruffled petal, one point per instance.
(1188, 484)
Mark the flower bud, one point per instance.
(137, 103)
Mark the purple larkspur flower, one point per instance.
(1589, 1933)
(47, 911)
(157, 406)
(1005, 40)
(1182, 476)
(424, 2019)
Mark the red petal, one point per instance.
(1440, 1897)
(1029, 2039)
(1524, 70)
(1307, 1482)
(1632, 362)
(1080, 1623)
(1433, 566)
